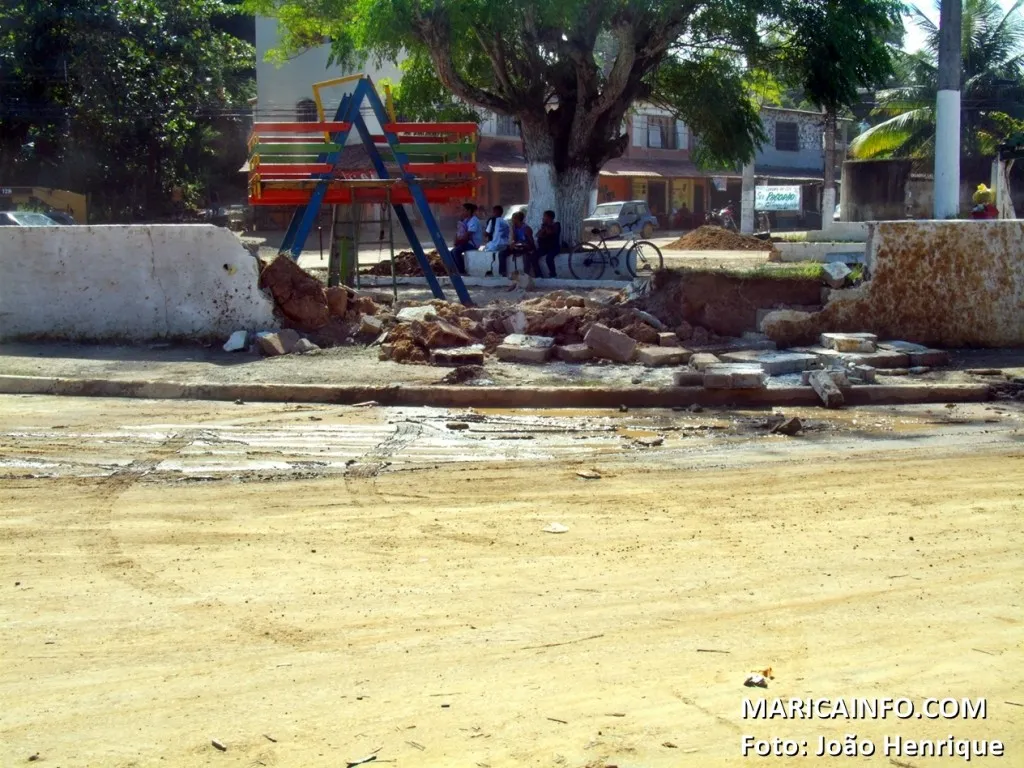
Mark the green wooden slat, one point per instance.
(439, 150)
(310, 148)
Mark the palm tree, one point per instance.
(992, 88)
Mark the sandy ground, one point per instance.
(175, 573)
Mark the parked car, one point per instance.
(616, 218)
(25, 219)
(59, 217)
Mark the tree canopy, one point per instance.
(992, 88)
(124, 99)
(569, 71)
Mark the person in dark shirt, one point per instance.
(549, 242)
(522, 245)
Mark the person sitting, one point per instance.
(549, 242)
(522, 245)
(984, 204)
(497, 212)
(499, 232)
(467, 236)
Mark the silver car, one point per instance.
(25, 219)
(616, 218)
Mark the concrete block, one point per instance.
(517, 354)
(302, 346)
(657, 356)
(830, 394)
(280, 343)
(835, 274)
(838, 376)
(238, 341)
(849, 342)
(520, 340)
(866, 373)
(702, 360)
(371, 326)
(687, 378)
(610, 343)
(668, 340)
(774, 363)
(902, 346)
(456, 356)
(883, 358)
(735, 376)
(574, 353)
(409, 314)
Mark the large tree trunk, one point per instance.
(828, 195)
(562, 185)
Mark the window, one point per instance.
(661, 132)
(787, 137)
(506, 126)
(305, 111)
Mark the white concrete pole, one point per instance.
(947, 113)
(747, 200)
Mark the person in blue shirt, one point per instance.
(499, 233)
(468, 238)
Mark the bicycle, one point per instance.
(588, 261)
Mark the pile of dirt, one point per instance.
(709, 238)
(406, 265)
(412, 342)
(298, 296)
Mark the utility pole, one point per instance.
(828, 194)
(747, 199)
(947, 112)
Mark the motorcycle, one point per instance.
(724, 218)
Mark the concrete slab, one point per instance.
(517, 354)
(658, 356)
(534, 342)
(456, 356)
(775, 363)
(610, 343)
(702, 360)
(574, 353)
(884, 358)
(850, 342)
(688, 378)
(735, 376)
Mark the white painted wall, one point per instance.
(131, 283)
(279, 88)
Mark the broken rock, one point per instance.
(668, 340)
(458, 356)
(280, 343)
(609, 343)
(299, 296)
(574, 353)
(337, 300)
(735, 376)
(657, 356)
(371, 326)
(835, 274)
(302, 346)
(849, 342)
(237, 341)
(409, 314)
(789, 427)
(702, 360)
(823, 383)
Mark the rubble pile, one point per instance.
(406, 265)
(708, 238)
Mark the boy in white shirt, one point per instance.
(470, 240)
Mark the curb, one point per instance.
(487, 397)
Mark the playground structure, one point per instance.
(312, 164)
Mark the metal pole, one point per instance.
(355, 239)
(391, 241)
(947, 112)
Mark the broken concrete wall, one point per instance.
(940, 283)
(130, 283)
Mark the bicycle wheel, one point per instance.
(644, 258)
(587, 262)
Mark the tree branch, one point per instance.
(435, 35)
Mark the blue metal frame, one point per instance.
(305, 216)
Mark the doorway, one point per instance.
(657, 199)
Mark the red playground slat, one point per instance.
(400, 195)
(431, 168)
(271, 169)
(261, 128)
(460, 128)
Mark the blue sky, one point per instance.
(915, 39)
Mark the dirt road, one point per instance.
(307, 585)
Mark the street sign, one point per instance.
(777, 199)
